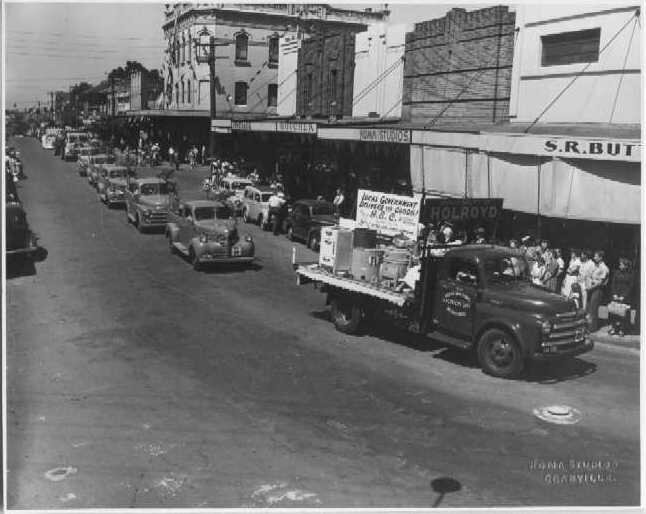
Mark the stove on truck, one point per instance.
(477, 297)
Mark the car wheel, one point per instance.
(499, 354)
(314, 243)
(195, 261)
(290, 233)
(346, 315)
(259, 221)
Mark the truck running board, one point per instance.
(448, 339)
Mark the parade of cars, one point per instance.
(475, 297)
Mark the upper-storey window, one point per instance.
(242, 45)
(273, 50)
(581, 46)
(183, 48)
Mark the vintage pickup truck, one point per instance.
(476, 297)
(147, 202)
(112, 184)
(205, 232)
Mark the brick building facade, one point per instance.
(325, 75)
(458, 68)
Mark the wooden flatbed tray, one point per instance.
(316, 273)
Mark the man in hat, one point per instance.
(277, 203)
(481, 236)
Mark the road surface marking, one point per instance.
(58, 474)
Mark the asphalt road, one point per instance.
(134, 381)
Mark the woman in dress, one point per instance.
(572, 273)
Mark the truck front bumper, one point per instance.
(564, 350)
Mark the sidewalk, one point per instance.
(627, 341)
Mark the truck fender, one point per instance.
(513, 328)
(171, 231)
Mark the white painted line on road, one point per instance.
(58, 474)
(295, 496)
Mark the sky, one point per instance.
(52, 46)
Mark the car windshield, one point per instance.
(323, 208)
(266, 197)
(204, 213)
(506, 268)
(239, 186)
(162, 188)
(121, 172)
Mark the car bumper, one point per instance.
(208, 258)
(566, 350)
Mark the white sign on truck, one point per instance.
(388, 214)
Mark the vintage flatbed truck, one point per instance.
(465, 297)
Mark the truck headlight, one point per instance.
(546, 327)
(147, 212)
(203, 238)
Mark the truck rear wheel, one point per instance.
(346, 315)
(499, 354)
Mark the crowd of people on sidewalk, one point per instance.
(583, 276)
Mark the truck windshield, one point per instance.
(322, 209)
(506, 268)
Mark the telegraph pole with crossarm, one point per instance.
(210, 58)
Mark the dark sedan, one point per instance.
(306, 218)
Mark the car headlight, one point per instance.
(147, 212)
(248, 238)
(203, 238)
(546, 327)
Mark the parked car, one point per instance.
(20, 240)
(95, 163)
(73, 143)
(205, 232)
(147, 202)
(255, 205)
(235, 184)
(84, 158)
(112, 184)
(305, 219)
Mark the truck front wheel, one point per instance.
(346, 315)
(499, 354)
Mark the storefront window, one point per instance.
(241, 93)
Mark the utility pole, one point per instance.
(210, 59)
(114, 104)
(212, 94)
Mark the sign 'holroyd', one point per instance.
(388, 214)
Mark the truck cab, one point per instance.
(480, 297)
